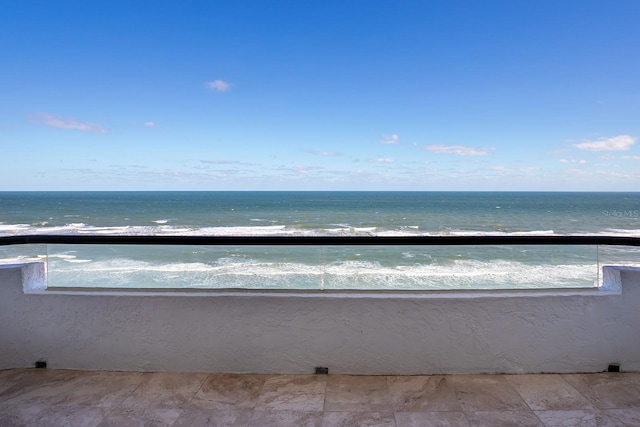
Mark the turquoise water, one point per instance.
(321, 213)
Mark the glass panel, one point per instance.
(460, 267)
(211, 267)
(329, 268)
(618, 255)
(16, 254)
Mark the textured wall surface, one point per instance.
(460, 332)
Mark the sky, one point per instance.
(320, 95)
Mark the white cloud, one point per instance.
(150, 124)
(513, 170)
(459, 150)
(218, 85)
(616, 143)
(325, 153)
(381, 160)
(390, 140)
(62, 122)
(579, 161)
(576, 171)
(630, 157)
(228, 162)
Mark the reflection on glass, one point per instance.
(18, 254)
(628, 256)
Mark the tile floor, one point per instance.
(51, 398)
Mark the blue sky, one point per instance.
(330, 95)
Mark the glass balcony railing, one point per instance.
(323, 263)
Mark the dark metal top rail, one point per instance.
(319, 240)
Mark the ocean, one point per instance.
(321, 213)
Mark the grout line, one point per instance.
(199, 388)
(506, 378)
(595, 406)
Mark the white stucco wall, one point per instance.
(435, 332)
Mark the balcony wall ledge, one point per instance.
(391, 333)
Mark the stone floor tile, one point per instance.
(213, 418)
(422, 393)
(574, 418)
(165, 390)
(352, 419)
(74, 415)
(102, 389)
(608, 390)
(141, 417)
(37, 386)
(8, 377)
(4, 372)
(18, 415)
(504, 419)
(623, 417)
(286, 419)
(58, 398)
(293, 393)
(357, 394)
(228, 391)
(548, 392)
(486, 393)
(435, 419)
